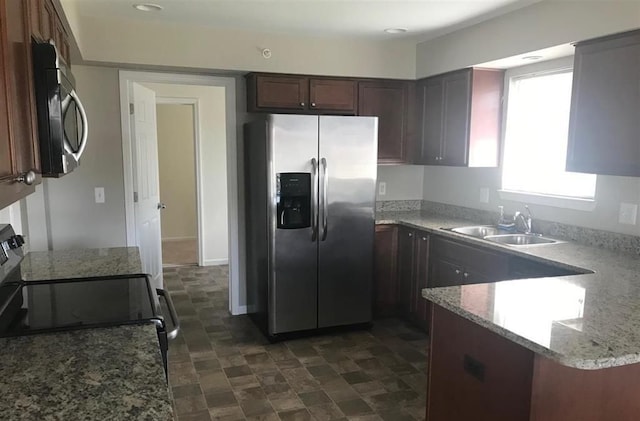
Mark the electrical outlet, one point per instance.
(628, 213)
(484, 194)
(99, 193)
(382, 188)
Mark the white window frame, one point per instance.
(547, 67)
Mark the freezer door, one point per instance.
(293, 282)
(348, 165)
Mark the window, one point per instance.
(535, 149)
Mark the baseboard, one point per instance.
(215, 262)
(239, 310)
(178, 238)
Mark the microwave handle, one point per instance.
(85, 131)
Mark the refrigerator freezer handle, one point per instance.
(314, 199)
(325, 210)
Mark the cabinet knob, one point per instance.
(302, 104)
(313, 104)
(410, 234)
(466, 275)
(457, 271)
(27, 178)
(424, 238)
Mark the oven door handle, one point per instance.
(173, 333)
(66, 102)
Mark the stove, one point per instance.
(55, 305)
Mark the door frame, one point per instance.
(195, 103)
(126, 77)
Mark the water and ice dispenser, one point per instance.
(293, 193)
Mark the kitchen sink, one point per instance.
(480, 231)
(520, 239)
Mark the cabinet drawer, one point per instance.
(483, 263)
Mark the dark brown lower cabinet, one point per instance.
(386, 271)
(413, 270)
(475, 374)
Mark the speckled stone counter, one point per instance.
(81, 263)
(587, 321)
(94, 374)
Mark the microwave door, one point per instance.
(75, 129)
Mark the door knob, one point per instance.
(162, 206)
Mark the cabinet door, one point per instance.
(19, 144)
(406, 269)
(475, 374)
(431, 98)
(279, 92)
(47, 20)
(604, 127)
(333, 95)
(456, 116)
(420, 307)
(389, 102)
(385, 271)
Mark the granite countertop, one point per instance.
(586, 321)
(90, 374)
(80, 263)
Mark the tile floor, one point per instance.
(222, 368)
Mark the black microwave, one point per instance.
(62, 120)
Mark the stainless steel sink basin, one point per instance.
(519, 239)
(480, 231)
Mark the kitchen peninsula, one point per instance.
(550, 348)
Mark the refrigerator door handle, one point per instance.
(325, 210)
(314, 199)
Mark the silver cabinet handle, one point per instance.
(314, 199)
(161, 206)
(325, 206)
(173, 333)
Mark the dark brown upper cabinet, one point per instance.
(459, 118)
(301, 94)
(389, 101)
(18, 133)
(604, 126)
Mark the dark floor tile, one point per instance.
(295, 415)
(326, 412)
(323, 370)
(196, 416)
(206, 365)
(343, 394)
(237, 371)
(190, 404)
(354, 407)
(253, 407)
(314, 398)
(287, 403)
(354, 377)
(252, 393)
(220, 399)
(186, 390)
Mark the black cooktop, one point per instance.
(76, 303)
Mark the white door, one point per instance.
(147, 207)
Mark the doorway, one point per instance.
(177, 178)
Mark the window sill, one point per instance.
(585, 205)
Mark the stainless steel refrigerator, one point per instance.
(309, 218)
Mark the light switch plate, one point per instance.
(382, 188)
(628, 213)
(484, 194)
(99, 193)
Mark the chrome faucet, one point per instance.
(527, 221)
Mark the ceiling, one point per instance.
(424, 19)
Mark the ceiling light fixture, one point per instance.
(531, 58)
(148, 7)
(396, 30)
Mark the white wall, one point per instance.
(76, 221)
(403, 182)
(212, 164)
(544, 24)
(176, 164)
(112, 40)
